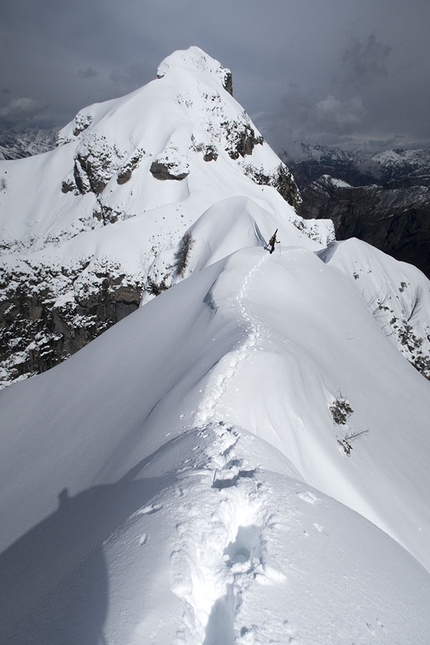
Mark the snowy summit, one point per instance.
(244, 459)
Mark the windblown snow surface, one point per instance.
(242, 461)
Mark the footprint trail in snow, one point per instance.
(221, 548)
(224, 372)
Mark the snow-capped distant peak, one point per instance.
(339, 183)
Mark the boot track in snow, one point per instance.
(221, 540)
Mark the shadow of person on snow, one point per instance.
(53, 580)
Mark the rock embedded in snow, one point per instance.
(167, 170)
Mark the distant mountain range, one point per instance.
(390, 169)
(25, 143)
(383, 198)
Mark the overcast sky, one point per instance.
(324, 71)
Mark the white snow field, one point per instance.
(242, 461)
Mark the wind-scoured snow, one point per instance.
(244, 459)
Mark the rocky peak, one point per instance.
(197, 61)
(127, 180)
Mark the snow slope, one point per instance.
(169, 482)
(244, 459)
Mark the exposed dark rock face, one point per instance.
(80, 175)
(228, 82)
(394, 220)
(95, 162)
(68, 186)
(106, 214)
(90, 174)
(241, 139)
(210, 154)
(282, 180)
(165, 170)
(47, 314)
(125, 173)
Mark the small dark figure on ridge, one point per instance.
(272, 242)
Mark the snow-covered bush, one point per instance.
(341, 410)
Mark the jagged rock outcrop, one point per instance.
(281, 179)
(96, 161)
(48, 313)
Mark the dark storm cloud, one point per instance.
(362, 62)
(90, 72)
(20, 111)
(336, 114)
(336, 70)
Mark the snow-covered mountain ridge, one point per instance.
(242, 460)
(82, 224)
(389, 168)
(27, 142)
(169, 482)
